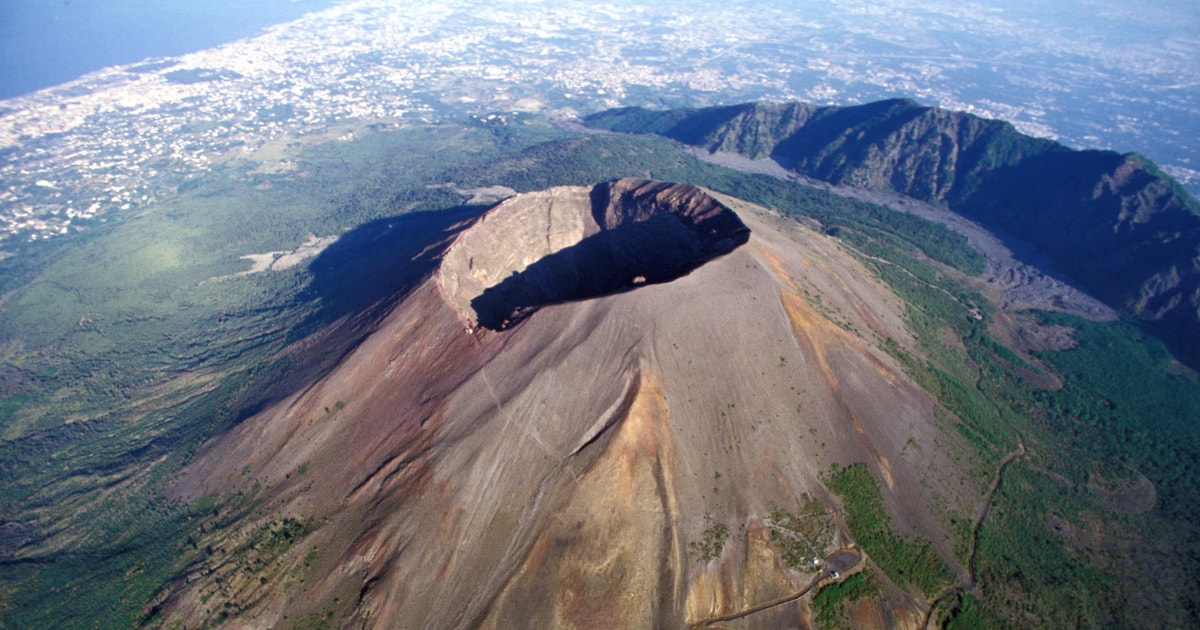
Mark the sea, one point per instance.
(47, 42)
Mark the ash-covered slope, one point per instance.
(1115, 223)
(611, 458)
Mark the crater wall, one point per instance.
(574, 242)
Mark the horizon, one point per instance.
(44, 44)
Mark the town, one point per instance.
(124, 137)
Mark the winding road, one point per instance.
(969, 583)
(835, 565)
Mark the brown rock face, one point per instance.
(610, 462)
(574, 243)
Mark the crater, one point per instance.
(578, 242)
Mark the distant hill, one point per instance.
(1115, 223)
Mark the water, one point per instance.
(48, 42)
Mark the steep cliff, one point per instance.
(1115, 223)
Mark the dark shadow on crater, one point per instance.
(659, 249)
(355, 282)
(378, 263)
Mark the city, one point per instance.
(124, 137)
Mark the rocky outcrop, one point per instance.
(1115, 223)
(573, 242)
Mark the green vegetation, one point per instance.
(829, 603)
(315, 621)
(277, 536)
(107, 586)
(1124, 402)
(971, 614)
(802, 537)
(710, 546)
(1022, 561)
(1123, 410)
(905, 561)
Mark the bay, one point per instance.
(47, 42)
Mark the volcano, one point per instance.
(601, 410)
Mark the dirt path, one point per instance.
(846, 558)
(840, 559)
(969, 583)
(970, 308)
